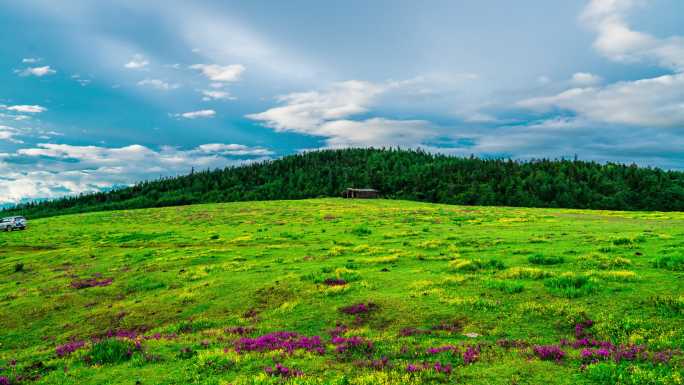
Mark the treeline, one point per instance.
(398, 174)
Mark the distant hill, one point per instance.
(398, 174)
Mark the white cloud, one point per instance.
(655, 102)
(80, 80)
(617, 41)
(32, 109)
(37, 71)
(52, 170)
(6, 132)
(325, 114)
(9, 134)
(233, 149)
(217, 95)
(585, 79)
(197, 114)
(30, 60)
(376, 132)
(305, 111)
(158, 84)
(137, 62)
(218, 73)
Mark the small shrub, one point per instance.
(476, 264)
(617, 276)
(361, 231)
(570, 285)
(669, 303)
(215, 364)
(505, 286)
(539, 259)
(526, 273)
(670, 263)
(622, 241)
(351, 266)
(19, 267)
(603, 262)
(111, 351)
(379, 260)
(192, 326)
(347, 275)
(629, 374)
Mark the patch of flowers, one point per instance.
(407, 332)
(353, 344)
(438, 367)
(359, 308)
(581, 328)
(549, 352)
(68, 348)
(377, 364)
(334, 282)
(287, 341)
(281, 371)
(471, 354)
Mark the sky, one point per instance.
(100, 94)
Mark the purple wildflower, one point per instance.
(440, 349)
(287, 341)
(359, 308)
(471, 355)
(407, 332)
(380, 364)
(352, 344)
(4, 380)
(662, 357)
(68, 348)
(549, 352)
(338, 330)
(334, 282)
(580, 328)
(439, 368)
(282, 371)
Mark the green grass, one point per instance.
(195, 279)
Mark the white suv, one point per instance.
(12, 223)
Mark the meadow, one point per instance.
(332, 291)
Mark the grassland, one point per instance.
(398, 292)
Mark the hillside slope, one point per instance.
(399, 174)
(372, 292)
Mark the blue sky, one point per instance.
(101, 94)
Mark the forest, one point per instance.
(397, 174)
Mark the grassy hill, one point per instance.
(370, 292)
(397, 174)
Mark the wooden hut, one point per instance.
(364, 193)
